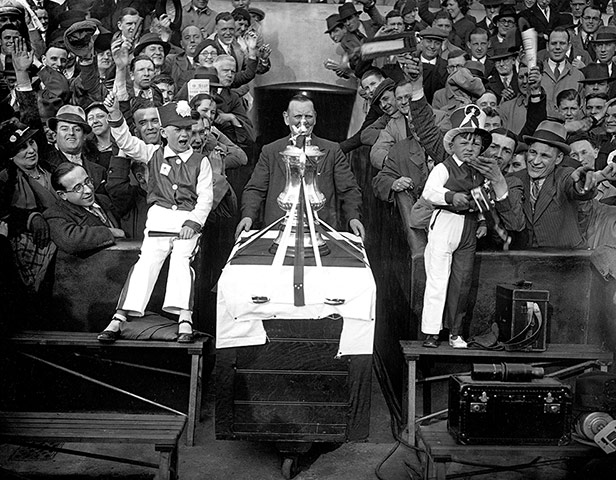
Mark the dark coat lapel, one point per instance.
(547, 194)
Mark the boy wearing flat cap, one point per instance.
(180, 197)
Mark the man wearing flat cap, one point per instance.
(434, 67)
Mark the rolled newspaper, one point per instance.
(529, 40)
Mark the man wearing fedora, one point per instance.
(552, 191)
(597, 79)
(358, 30)
(152, 46)
(504, 81)
(507, 34)
(605, 47)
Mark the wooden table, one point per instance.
(442, 449)
(413, 351)
(88, 340)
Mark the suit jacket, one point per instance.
(491, 30)
(578, 44)
(96, 172)
(335, 178)
(78, 232)
(569, 79)
(554, 223)
(405, 159)
(495, 84)
(181, 69)
(534, 16)
(434, 77)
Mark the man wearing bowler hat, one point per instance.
(552, 191)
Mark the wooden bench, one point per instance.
(413, 351)
(88, 340)
(441, 449)
(162, 431)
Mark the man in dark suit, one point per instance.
(434, 67)
(504, 81)
(336, 181)
(492, 8)
(552, 191)
(358, 31)
(79, 223)
(585, 32)
(543, 18)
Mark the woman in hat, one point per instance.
(25, 192)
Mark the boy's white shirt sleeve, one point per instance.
(132, 146)
(434, 191)
(205, 194)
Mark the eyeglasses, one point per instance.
(591, 19)
(80, 186)
(451, 68)
(506, 22)
(209, 54)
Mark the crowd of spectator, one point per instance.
(82, 84)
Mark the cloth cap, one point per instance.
(467, 119)
(386, 85)
(347, 10)
(490, 3)
(257, 12)
(78, 36)
(176, 114)
(551, 133)
(433, 32)
(94, 105)
(70, 114)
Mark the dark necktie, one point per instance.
(534, 192)
(557, 71)
(98, 211)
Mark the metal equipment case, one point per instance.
(514, 312)
(509, 413)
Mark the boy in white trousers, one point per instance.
(180, 198)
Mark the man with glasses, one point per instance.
(586, 30)
(456, 59)
(81, 223)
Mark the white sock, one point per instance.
(185, 325)
(114, 325)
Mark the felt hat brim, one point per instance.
(52, 123)
(549, 140)
(141, 46)
(486, 137)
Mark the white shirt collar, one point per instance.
(552, 64)
(184, 156)
(425, 60)
(480, 60)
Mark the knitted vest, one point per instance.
(173, 184)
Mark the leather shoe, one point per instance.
(186, 337)
(108, 336)
(431, 341)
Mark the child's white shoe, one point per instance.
(456, 341)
